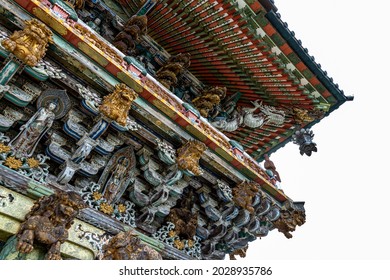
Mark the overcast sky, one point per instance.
(345, 184)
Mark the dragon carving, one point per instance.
(247, 117)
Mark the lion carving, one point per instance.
(128, 246)
(189, 155)
(29, 44)
(48, 222)
(117, 104)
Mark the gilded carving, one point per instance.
(167, 75)
(288, 221)
(189, 155)
(94, 40)
(128, 246)
(117, 104)
(134, 27)
(48, 222)
(29, 44)
(244, 193)
(302, 116)
(208, 101)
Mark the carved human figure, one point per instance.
(48, 222)
(25, 142)
(114, 182)
(117, 175)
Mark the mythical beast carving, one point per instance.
(117, 104)
(48, 222)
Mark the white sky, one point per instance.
(344, 184)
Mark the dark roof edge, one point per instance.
(268, 5)
(309, 61)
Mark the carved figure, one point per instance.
(238, 252)
(244, 193)
(288, 221)
(269, 165)
(189, 155)
(52, 104)
(207, 102)
(182, 217)
(31, 132)
(48, 222)
(134, 27)
(29, 44)
(302, 116)
(304, 138)
(117, 104)
(167, 75)
(231, 123)
(77, 4)
(127, 246)
(118, 174)
(247, 117)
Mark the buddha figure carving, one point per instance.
(29, 44)
(115, 179)
(117, 175)
(117, 104)
(48, 222)
(52, 104)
